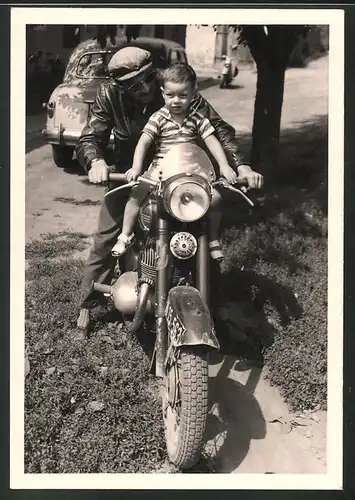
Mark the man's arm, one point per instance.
(224, 132)
(96, 134)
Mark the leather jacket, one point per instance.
(114, 111)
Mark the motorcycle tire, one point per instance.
(223, 82)
(185, 421)
(62, 155)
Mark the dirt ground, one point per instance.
(250, 429)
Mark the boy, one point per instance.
(173, 124)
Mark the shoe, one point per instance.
(123, 243)
(216, 250)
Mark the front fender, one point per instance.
(188, 318)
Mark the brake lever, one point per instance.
(128, 185)
(236, 190)
(224, 183)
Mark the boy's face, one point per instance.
(177, 97)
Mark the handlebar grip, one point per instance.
(117, 177)
(242, 182)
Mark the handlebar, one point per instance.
(243, 182)
(122, 178)
(117, 177)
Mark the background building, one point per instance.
(62, 39)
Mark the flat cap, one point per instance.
(129, 62)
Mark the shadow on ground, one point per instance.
(230, 427)
(241, 322)
(303, 161)
(231, 86)
(244, 332)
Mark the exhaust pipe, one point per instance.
(141, 308)
(99, 287)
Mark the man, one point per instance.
(123, 105)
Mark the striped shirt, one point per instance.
(166, 132)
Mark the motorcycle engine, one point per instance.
(183, 270)
(147, 258)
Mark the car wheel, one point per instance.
(62, 155)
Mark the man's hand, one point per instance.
(255, 180)
(132, 174)
(98, 172)
(229, 174)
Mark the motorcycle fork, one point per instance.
(164, 266)
(202, 263)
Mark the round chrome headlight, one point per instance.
(183, 245)
(187, 197)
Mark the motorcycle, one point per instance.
(227, 73)
(163, 280)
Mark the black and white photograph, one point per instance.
(176, 244)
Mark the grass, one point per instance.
(88, 406)
(55, 245)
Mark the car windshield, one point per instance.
(94, 65)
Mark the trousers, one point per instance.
(100, 264)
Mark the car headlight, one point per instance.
(187, 197)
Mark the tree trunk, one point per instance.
(270, 47)
(267, 115)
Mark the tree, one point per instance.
(270, 47)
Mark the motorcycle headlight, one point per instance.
(187, 197)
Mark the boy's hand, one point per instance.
(255, 180)
(132, 174)
(229, 174)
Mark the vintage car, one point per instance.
(68, 105)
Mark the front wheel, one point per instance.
(62, 155)
(185, 405)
